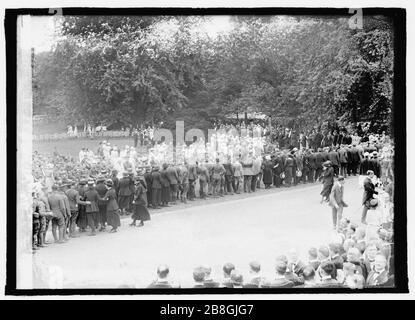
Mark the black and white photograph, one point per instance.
(227, 150)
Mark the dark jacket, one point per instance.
(164, 178)
(92, 196)
(156, 180)
(172, 175)
(125, 186)
(334, 158)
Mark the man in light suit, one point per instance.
(336, 201)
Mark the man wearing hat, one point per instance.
(82, 220)
(374, 164)
(336, 201)
(115, 180)
(101, 188)
(124, 193)
(62, 189)
(57, 206)
(365, 165)
(173, 177)
(91, 197)
(74, 203)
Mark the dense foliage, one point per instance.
(299, 71)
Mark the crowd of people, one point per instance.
(95, 190)
(355, 259)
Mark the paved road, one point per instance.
(238, 230)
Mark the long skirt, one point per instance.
(140, 212)
(165, 194)
(81, 220)
(113, 218)
(124, 202)
(267, 176)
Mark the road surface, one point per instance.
(235, 229)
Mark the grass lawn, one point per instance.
(71, 147)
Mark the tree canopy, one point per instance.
(149, 69)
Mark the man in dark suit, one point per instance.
(336, 201)
(92, 210)
(289, 274)
(102, 204)
(379, 274)
(115, 181)
(343, 160)
(365, 165)
(355, 159)
(312, 158)
(375, 165)
(156, 188)
(162, 281)
(173, 177)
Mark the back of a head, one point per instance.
(309, 273)
(281, 267)
(282, 258)
(236, 278)
(255, 266)
(199, 274)
(228, 267)
(312, 252)
(163, 271)
(324, 252)
(327, 267)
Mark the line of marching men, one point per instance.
(98, 203)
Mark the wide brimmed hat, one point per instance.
(100, 179)
(109, 182)
(125, 174)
